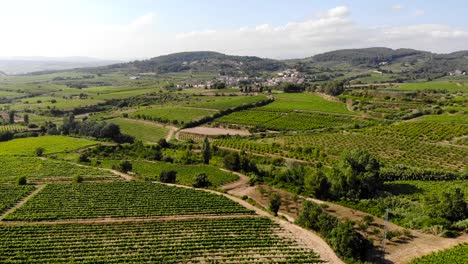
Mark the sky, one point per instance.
(138, 29)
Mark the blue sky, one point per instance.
(126, 29)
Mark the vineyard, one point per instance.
(235, 240)
(148, 133)
(51, 144)
(458, 254)
(173, 115)
(121, 199)
(12, 128)
(185, 173)
(223, 103)
(10, 194)
(47, 170)
(392, 150)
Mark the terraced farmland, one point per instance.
(12, 128)
(235, 240)
(121, 199)
(224, 103)
(174, 115)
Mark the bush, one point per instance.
(83, 158)
(125, 166)
(201, 181)
(22, 180)
(40, 151)
(78, 179)
(168, 176)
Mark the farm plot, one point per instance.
(12, 128)
(51, 144)
(173, 115)
(46, 170)
(148, 133)
(305, 102)
(232, 240)
(249, 117)
(449, 86)
(185, 173)
(391, 150)
(458, 254)
(308, 121)
(223, 103)
(121, 199)
(10, 194)
(422, 130)
(10, 95)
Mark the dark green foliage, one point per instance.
(317, 184)
(201, 181)
(78, 179)
(402, 172)
(11, 117)
(26, 118)
(342, 237)
(6, 136)
(292, 88)
(275, 203)
(84, 157)
(40, 151)
(125, 166)
(22, 180)
(232, 161)
(168, 176)
(357, 176)
(206, 151)
(449, 205)
(348, 243)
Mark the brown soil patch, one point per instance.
(215, 131)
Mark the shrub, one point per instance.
(201, 181)
(168, 176)
(125, 166)
(40, 151)
(275, 203)
(22, 180)
(78, 179)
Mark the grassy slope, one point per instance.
(145, 132)
(51, 144)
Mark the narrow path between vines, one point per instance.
(22, 201)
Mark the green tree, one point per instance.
(232, 161)
(125, 166)
(201, 181)
(206, 151)
(22, 180)
(11, 117)
(26, 118)
(40, 151)
(317, 184)
(348, 243)
(168, 176)
(356, 176)
(275, 203)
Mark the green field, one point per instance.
(47, 170)
(148, 133)
(305, 102)
(239, 240)
(174, 115)
(121, 199)
(12, 128)
(449, 86)
(10, 95)
(456, 255)
(10, 194)
(185, 173)
(51, 144)
(224, 102)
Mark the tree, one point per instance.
(357, 176)
(275, 203)
(26, 118)
(348, 243)
(201, 181)
(163, 143)
(125, 166)
(11, 117)
(168, 176)
(22, 180)
(450, 205)
(232, 161)
(206, 151)
(317, 184)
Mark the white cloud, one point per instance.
(331, 30)
(419, 12)
(397, 7)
